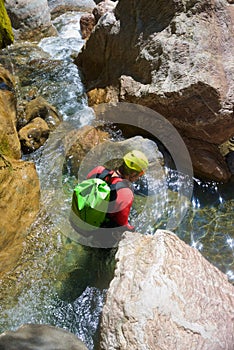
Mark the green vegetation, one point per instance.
(6, 33)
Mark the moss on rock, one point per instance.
(6, 32)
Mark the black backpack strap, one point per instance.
(105, 173)
(102, 175)
(117, 186)
(113, 187)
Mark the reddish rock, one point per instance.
(87, 23)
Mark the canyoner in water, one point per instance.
(105, 198)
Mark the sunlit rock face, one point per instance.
(9, 142)
(58, 7)
(19, 190)
(165, 295)
(176, 58)
(19, 206)
(31, 20)
(45, 337)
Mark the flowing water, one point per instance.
(58, 281)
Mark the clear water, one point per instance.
(57, 281)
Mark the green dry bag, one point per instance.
(91, 199)
(90, 202)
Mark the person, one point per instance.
(134, 165)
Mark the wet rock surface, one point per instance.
(79, 143)
(19, 190)
(33, 135)
(43, 337)
(166, 295)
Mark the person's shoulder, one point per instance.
(97, 170)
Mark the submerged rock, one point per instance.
(165, 295)
(43, 337)
(33, 135)
(36, 120)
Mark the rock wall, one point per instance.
(19, 190)
(9, 142)
(166, 296)
(175, 57)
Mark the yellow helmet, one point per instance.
(136, 160)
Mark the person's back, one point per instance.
(119, 208)
(116, 219)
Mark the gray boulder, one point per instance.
(175, 57)
(30, 19)
(166, 296)
(58, 7)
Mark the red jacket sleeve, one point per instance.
(98, 170)
(123, 204)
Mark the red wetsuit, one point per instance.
(122, 204)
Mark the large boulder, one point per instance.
(19, 190)
(19, 206)
(165, 55)
(9, 142)
(30, 19)
(58, 7)
(79, 142)
(166, 296)
(38, 336)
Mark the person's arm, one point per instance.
(98, 170)
(122, 208)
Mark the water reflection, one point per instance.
(208, 225)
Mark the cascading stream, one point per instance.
(58, 281)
